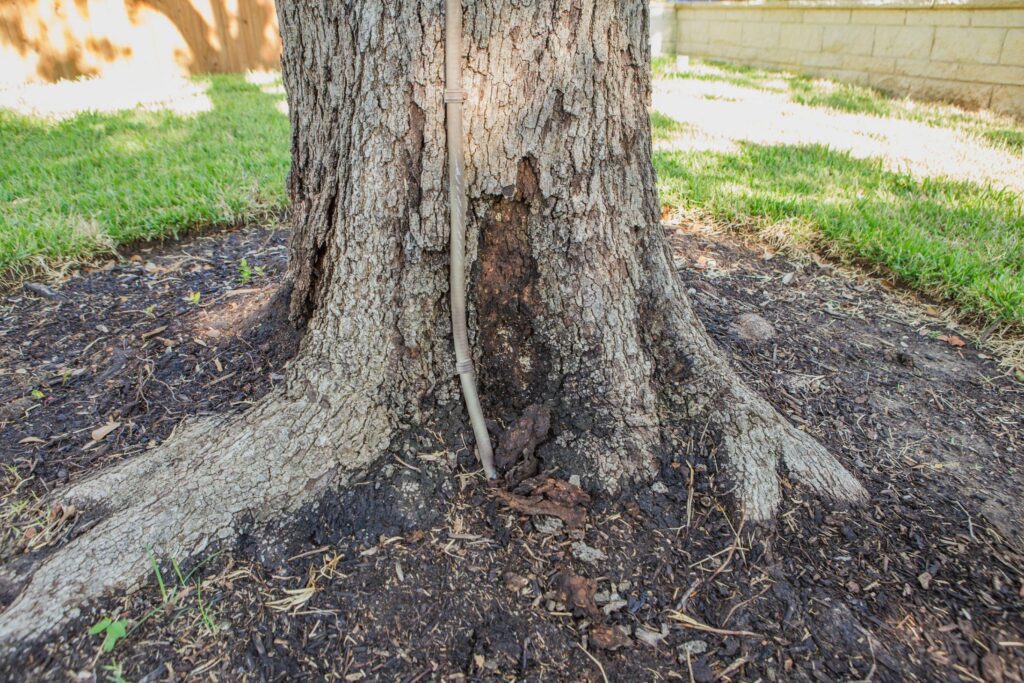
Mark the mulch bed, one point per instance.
(926, 583)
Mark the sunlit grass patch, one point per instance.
(79, 185)
(958, 240)
(840, 96)
(994, 129)
(721, 72)
(665, 128)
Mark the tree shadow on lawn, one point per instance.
(957, 240)
(72, 188)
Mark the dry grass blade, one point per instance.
(297, 597)
(294, 598)
(595, 660)
(689, 622)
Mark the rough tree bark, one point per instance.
(575, 302)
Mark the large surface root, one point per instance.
(758, 440)
(182, 497)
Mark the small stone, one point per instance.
(575, 480)
(788, 278)
(659, 487)
(614, 606)
(925, 579)
(992, 668)
(694, 647)
(752, 328)
(584, 553)
(515, 582)
(652, 638)
(548, 525)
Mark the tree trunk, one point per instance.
(574, 303)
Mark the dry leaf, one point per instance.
(562, 492)
(578, 593)
(573, 516)
(705, 263)
(608, 638)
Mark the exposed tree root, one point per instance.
(757, 440)
(197, 488)
(193, 491)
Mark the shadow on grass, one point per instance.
(74, 187)
(955, 239)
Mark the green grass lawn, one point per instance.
(71, 188)
(962, 241)
(954, 239)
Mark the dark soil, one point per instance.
(926, 583)
(131, 344)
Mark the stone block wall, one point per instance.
(969, 52)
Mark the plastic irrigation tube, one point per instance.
(454, 96)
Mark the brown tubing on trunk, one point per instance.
(454, 96)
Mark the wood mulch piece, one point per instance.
(925, 583)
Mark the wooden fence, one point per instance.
(48, 40)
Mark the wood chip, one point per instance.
(155, 331)
(101, 433)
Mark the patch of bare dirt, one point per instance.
(925, 583)
(108, 364)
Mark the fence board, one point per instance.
(47, 40)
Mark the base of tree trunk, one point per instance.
(575, 303)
